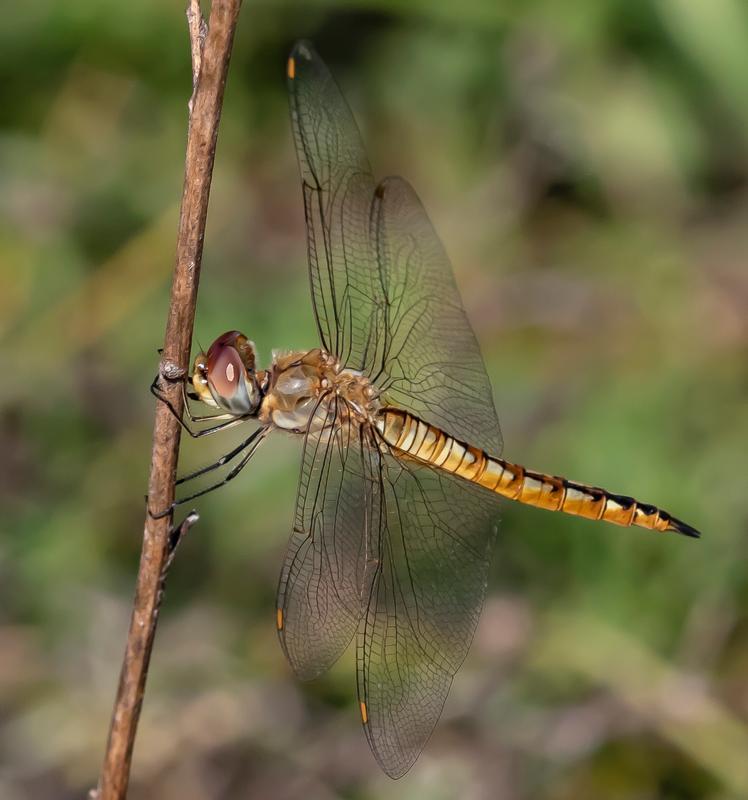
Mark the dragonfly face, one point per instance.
(225, 376)
(396, 509)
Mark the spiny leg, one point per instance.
(229, 420)
(224, 459)
(231, 475)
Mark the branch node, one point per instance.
(175, 537)
(171, 371)
(176, 534)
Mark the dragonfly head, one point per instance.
(225, 376)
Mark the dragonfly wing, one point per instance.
(423, 606)
(429, 361)
(338, 189)
(384, 296)
(386, 303)
(324, 581)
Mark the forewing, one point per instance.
(382, 287)
(328, 568)
(429, 361)
(338, 189)
(423, 606)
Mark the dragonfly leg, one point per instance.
(224, 459)
(227, 420)
(255, 440)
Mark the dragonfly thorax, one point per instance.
(303, 386)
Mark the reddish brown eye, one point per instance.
(229, 374)
(224, 369)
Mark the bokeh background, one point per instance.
(586, 164)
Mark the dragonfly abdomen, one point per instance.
(430, 445)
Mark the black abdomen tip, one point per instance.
(683, 528)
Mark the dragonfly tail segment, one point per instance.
(430, 445)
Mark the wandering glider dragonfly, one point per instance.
(401, 472)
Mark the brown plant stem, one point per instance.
(210, 60)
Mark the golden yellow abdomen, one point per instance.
(411, 437)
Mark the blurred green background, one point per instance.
(586, 165)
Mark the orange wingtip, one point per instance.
(291, 68)
(364, 713)
(279, 619)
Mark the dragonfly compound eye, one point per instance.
(228, 375)
(225, 371)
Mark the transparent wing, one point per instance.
(338, 189)
(384, 295)
(423, 606)
(410, 547)
(428, 360)
(324, 582)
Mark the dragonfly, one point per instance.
(401, 474)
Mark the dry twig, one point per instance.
(210, 59)
(198, 31)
